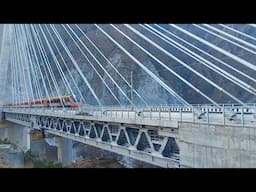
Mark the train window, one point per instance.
(64, 100)
(56, 101)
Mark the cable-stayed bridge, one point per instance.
(171, 95)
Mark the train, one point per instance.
(57, 101)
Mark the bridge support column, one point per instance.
(217, 146)
(15, 133)
(64, 150)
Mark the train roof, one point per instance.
(50, 98)
(56, 97)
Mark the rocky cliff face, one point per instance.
(148, 88)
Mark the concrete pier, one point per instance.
(64, 150)
(217, 146)
(17, 134)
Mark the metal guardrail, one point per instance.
(230, 114)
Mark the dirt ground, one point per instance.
(96, 163)
(4, 165)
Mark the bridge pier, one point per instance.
(64, 150)
(217, 146)
(15, 133)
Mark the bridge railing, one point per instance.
(232, 114)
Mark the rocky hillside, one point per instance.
(96, 163)
(143, 83)
(148, 88)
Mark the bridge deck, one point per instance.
(162, 116)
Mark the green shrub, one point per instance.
(39, 163)
(30, 157)
(5, 141)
